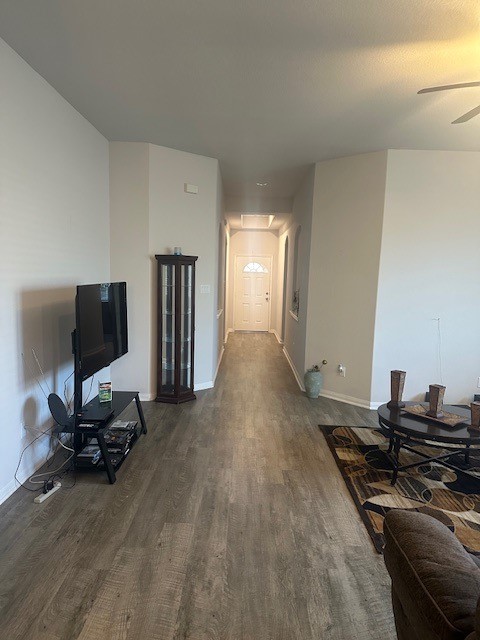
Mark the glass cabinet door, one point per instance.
(186, 328)
(176, 328)
(168, 328)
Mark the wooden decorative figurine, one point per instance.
(437, 393)
(475, 410)
(397, 383)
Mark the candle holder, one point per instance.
(437, 393)
(475, 416)
(397, 383)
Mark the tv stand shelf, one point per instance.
(90, 412)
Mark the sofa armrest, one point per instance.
(435, 579)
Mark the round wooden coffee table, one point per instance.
(407, 432)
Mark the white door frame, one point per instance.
(246, 255)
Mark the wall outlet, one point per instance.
(204, 288)
(342, 370)
(478, 383)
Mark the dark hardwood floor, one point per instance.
(229, 521)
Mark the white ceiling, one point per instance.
(266, 86)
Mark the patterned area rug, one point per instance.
(454, 499)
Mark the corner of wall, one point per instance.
(344, 270)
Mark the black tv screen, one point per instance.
(101, 321)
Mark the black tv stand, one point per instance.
(95, 411)
(96, 429)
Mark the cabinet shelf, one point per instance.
(172, 313)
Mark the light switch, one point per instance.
(190, 188)
(204, 288)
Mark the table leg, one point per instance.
(106, 458)
(140, 414)
(396, 451)
(467, 454)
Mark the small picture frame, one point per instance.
(105, 391)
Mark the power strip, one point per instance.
(43, 496)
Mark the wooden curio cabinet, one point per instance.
(176, 328)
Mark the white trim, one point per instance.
(227, 334)
(270, 278)
(204, 385)
(13, 485)
(358, 402)
(10, 488)
(219, 313)
(332, 395)
(294, 316)
(280, 341)
(294, 369)
(270, 217)
(146, 397)
(218, 365)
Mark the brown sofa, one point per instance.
(435, 582)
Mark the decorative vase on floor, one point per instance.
(313, 383)
(313, 380)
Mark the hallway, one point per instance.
(229, 521)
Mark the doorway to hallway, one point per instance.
(252, 293)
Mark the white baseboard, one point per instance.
(218, 364)
(332, 395)
(357, 402)
(294, 369)
(279, 340)
(204, 385)
(10, 488)
(146, 397)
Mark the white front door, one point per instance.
(252, 293)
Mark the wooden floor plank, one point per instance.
(229, 521)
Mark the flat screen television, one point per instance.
(101, 325)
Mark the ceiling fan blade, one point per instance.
(446, 87)
(468, 116)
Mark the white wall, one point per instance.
(130, 260)
(189, 221)
(430, 268)
(54, 223)
(252, 243)
(296, 329)
(151, 214)
(344, 260)
(220, 292)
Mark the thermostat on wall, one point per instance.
(190, 188)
